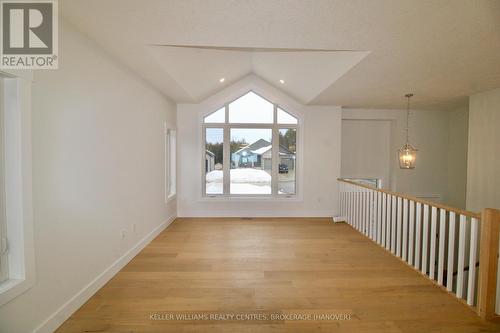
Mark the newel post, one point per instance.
(488, 263)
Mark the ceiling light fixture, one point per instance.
(282, 81)
(221, 80)
(407, 153)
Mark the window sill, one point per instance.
(171, 197)
(12, 288)
(221, 198)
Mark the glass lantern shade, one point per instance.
(407, 157)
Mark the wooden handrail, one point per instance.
(412, 198)
(378, 219)
(488, 263)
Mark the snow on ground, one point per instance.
(214, 176)
(250, 189)
(243, 175)
(216, 188)
(243, 181)
(249, 181)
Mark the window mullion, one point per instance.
(226, 148)
(275, 155)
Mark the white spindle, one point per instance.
(361, 210)
(388, 223)
(451, 252)
(442, 237)
(411, 233)
(471, 285)
(384, 218)
(405, 229)
(461, 256)
(393, 224)
(418, 233)
(356, 210)
(425, 238)
(374, 215)
(379, 218)
(349, 204)
(353, 208)
(370, 225)
(346, 205)
(432, 239)
(367, 213)
(399, 220)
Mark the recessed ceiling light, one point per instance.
(222, 79)
(282, 81)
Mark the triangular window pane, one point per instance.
(285, 118)
(251, 108)
(216, 117)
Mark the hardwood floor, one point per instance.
(266, 267)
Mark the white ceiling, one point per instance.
(305, 74)
(355, 53)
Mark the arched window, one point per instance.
(250, 149)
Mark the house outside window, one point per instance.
(258, 139)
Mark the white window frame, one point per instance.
(170, 163)
(4, 260)
(16, 111)
(275, 127)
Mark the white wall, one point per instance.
(457, 157)
(321, 134)
(429, 132)
(366, 149)
(98, 169)
(483, 170)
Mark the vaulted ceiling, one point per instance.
(303, 74)
(355, 53)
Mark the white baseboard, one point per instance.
(255, 213)
(337, 219)
(64, 312)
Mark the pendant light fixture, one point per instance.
(407, 153)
